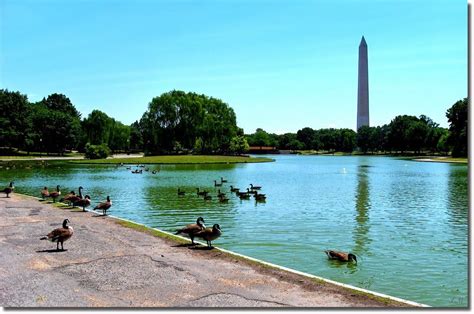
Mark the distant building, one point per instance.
(263, 150)
(363, 87)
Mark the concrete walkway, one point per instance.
(109, 265)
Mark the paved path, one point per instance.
(108, 265)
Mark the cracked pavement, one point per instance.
(108, 265)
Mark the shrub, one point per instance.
(97, 151)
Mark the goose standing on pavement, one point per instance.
(55, 194)
(83, 202)
(104, 206)
(209, 234)
(71, 199)
(9, 189)
(192, 229)
(44, 192)
(60, 235)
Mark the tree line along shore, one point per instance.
(183, 123)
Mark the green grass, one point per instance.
(444, 159)
(154, 232)
(176, 159)
(32, 155)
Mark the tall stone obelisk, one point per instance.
(363, 87)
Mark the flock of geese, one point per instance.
(72, 199)
(222, 197)
(197, 230)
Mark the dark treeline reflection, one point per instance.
(362, 209)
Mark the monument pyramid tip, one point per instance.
(363, 42)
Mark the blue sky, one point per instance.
(282, 65)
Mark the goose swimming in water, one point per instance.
(192, 229)
(252, 187)
(341, 256)
(60, 235)
(201, 193)
(209, 234)
(232, 189)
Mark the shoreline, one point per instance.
(318, 291)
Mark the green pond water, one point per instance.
(406, 221)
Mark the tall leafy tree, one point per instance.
(13, 118)
(457, 117)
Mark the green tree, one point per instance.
(348, 140)
(57, 131)
(60, 102)
(307, 137)
(285, 140)
(238, 144)
(399, 137)
(365, 138)
(13, 119)
(179, 117)
(417, 133)
(97, 127)
(136, 136)
(457, 117)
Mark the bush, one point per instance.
(97, 151)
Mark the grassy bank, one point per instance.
(442, 159)
(177, 159)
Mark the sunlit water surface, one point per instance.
(406, 221)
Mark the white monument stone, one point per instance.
(363, 87)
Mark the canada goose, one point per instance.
(55, 194)
(104, 206)
(137, 171)
(64, 199)
(219, 193)
(217, 184)
(232, 189)
(209, 234)
(181, 192)
(252, 187)
(223, 180)
(244, 196)
(44, 192)
(252, 192)
(71, 199)
(207, 197)
(83, 202)
(223, 199)
(201, 193)
(154, 172)
(341, 256)
(241, 193)
(191, 229)
(9, 189)
(60, 235)
(260, 197)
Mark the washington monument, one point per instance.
(363, 87)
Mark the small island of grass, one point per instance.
(177, 159)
